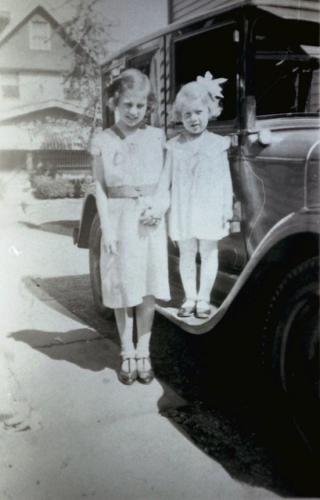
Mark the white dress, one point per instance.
(140, 267)
(201, 187)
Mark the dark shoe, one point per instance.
(186, 311)
(203, 310)
(145, 373)
(128, 377)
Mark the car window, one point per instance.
(148, 59)
(286, 67)
(150, 63)
(214, 50)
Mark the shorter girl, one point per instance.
(197, 169)
(128, 161)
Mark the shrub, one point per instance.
(41, 170)
(82, 186)
(45, 187)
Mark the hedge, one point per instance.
(46, 187)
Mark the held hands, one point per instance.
(111, 247)
(148, 217)
(233, 225)
(227, 224)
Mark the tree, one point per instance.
(89, 32)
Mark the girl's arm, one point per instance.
(162, 194)
(109, 239)
(227, 189)
(161, 198)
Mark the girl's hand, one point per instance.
(111, 247)
(235, 226)
(149, 218)
(226, 224)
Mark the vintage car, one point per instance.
(269, 264)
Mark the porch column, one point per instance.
(29, 161)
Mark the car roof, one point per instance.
(305, 10)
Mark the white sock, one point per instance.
(143, 346)
(188, 267)
(209, 268)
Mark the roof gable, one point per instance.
(39, 10)
(16, 54)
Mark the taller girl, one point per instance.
(128, 159)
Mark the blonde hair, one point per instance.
(129, 79)
(190, 92)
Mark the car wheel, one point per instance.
(94, 265)
(292, 351)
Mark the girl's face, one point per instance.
(132, 107)
(195, 117)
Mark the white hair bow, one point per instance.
(213, 85)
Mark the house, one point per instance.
(42, 115)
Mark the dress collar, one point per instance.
(192, 146)
(119, 133)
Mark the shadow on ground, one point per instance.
(71, 296)
(64, 227)
(219, 417)
(80, 347)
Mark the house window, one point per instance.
(72, 90)
(39, 35)
(10, 86)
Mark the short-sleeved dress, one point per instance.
(140, 267)
(201, 187)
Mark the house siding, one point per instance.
(183, 9)
(15, 52)
(34, 87)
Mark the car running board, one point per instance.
(192, 324)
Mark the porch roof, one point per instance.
(46, 137)
(26, 109)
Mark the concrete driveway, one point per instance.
(69, 429)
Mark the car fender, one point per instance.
(89, 210)
(298, 232)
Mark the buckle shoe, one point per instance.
(145, 374)
(203, 309)
(185, 310)
(127, 377)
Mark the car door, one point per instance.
(283, 126)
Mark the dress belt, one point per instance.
(130, 191)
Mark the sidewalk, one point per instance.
(83, 435)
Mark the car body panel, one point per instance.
(272, 178)
(301, 223)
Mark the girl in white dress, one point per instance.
(197, 170)
(128, 161)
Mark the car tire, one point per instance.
(94, 266)
(291, 349)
